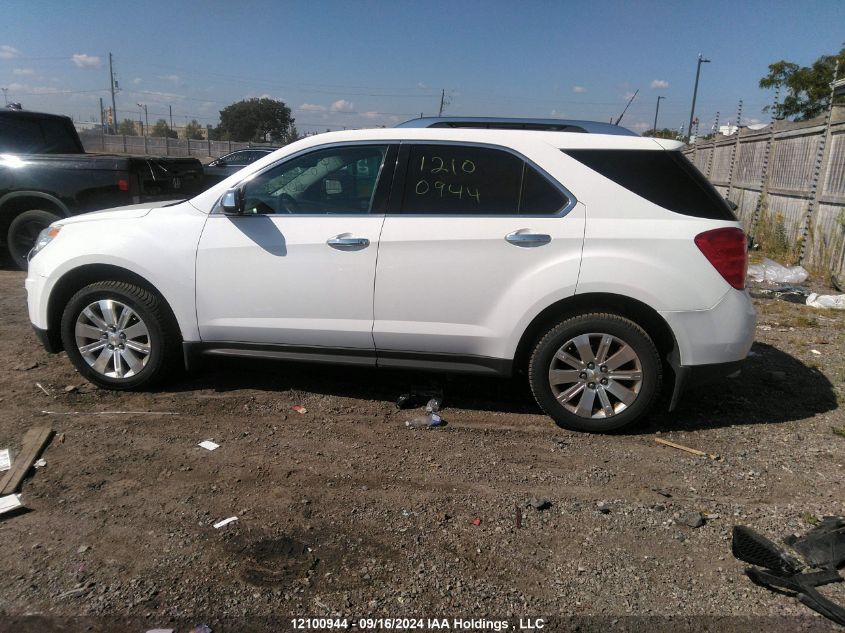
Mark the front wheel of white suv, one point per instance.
(595, 372)
(119, 335)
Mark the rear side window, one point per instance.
(468, 180)
(665, 178)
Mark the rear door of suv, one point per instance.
(477, 237)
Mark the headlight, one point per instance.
(45, 237)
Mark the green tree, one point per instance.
(127, 128)
(161, 129)
(193, 130)
(807, 87)
(664, 133)
(256, 120)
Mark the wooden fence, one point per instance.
(790, 173)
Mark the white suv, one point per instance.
(602, 265)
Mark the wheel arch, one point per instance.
(640, 313)
(77, 278)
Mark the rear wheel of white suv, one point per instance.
(595, 372)
(119, 335)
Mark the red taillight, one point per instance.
(123, 184)
(727, 250)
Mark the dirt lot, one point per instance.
(343, 510)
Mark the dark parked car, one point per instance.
(227, 165)
(46, 175)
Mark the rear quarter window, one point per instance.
(665, 178)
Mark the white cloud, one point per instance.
(86, 61)
(628, 95)
(23, 72)
(137, 81)
(9, 52)
(659, 83)
(342, 105)
(639, 126)
(171, 78)
(371, 115)
(311, 107)
(421, 85)
(579, 89)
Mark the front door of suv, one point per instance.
(476, 239)
(298, 267)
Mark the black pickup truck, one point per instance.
(45, 175)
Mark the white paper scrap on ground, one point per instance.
(220, 524)
(209, 445)
(10, 502)
(5, 459)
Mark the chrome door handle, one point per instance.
(523, 238)
(341, 242)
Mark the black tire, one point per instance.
(163, 337)
(623, 332)
(24, 230)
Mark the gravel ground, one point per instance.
(344, 510)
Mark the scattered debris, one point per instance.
(5, 459)
(816, 352)
(71, 388)
(662, 492)
(220, 524)
(693, 519)
(109, 413)
(160, 631)
(603, 507)
(34, 441)
(419, 396)
(774, 272)
(822, 550)
(687, 449)
(539, 504)
(299, 409)
(792, 294)
(201, 628)
(9, 503)
(430, 421)
(40, 463)
(832, 302)
(433, 405)
(208, 445)
(41, 387)
(476, 521)
(82, 549)
(61, 438)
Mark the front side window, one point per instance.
(334, 180)
(469, 180)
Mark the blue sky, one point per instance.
(358, 64)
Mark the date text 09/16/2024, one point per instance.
(407, 624)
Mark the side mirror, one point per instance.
(231, 203)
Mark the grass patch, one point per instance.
(838, 430)
(810, 518)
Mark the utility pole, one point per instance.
(146, 122)
(112, 86)
(442, 100)
(5, 98)
(656, 110)
(171, 116)
(701, 60)
(102, 115)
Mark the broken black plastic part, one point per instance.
(752, 547)
(824, 545)
(823, 548)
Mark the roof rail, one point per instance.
(501, 123)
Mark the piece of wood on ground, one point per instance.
(681, 447)
(34, 441)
